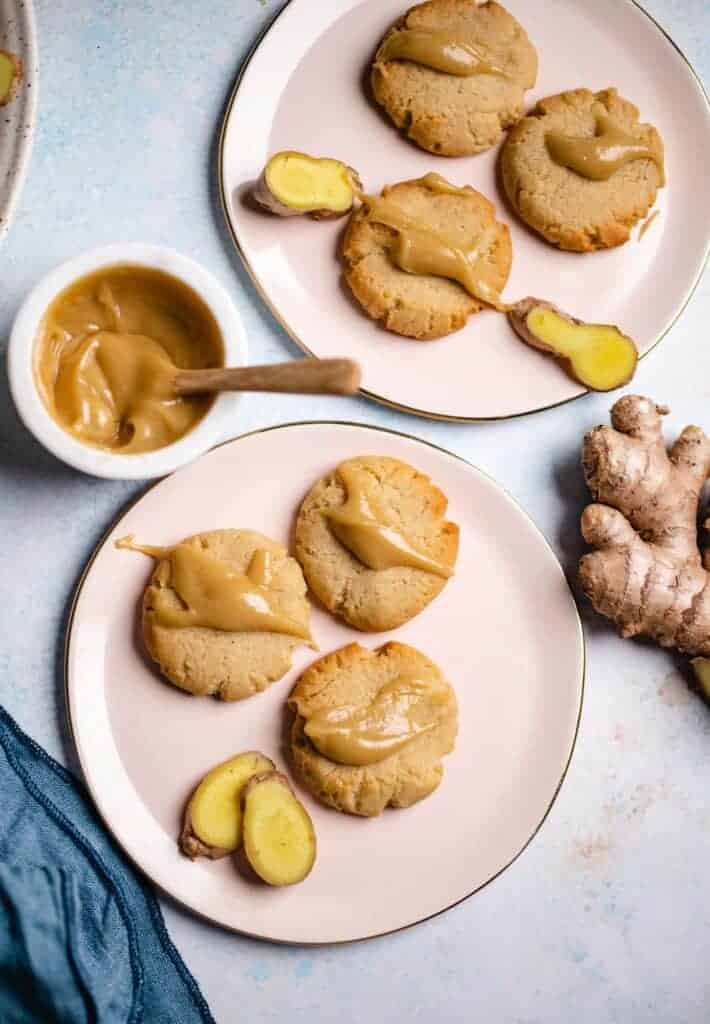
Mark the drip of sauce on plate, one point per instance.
(358, 526)
(419, 249)
(214, 596)
(399, 712)
(647, 224)
(598, 156)
(438, 50)
(107, 353)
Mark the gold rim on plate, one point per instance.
(581, 680)
(380, 399)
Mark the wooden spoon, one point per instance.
(301, 376)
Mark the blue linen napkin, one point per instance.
(82, 938)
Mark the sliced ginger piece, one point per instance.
(279, 839)
(212, 825)
(293, 184)
(598, 356)
(10, 75)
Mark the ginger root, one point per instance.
(212, 825)
(279, 839)
(10, 75)
(647, 574)
(293, 184)
(598, 356)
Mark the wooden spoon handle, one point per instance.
(301, 376)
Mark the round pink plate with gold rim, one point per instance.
(304, 88)
(505, 630)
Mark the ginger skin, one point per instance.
(647, 574)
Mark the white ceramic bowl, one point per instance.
(217, 425)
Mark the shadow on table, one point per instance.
(572, 489)
(69, 755)
(22, 458)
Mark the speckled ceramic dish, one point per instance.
(17, 118)
(304, 88)
(505, 631)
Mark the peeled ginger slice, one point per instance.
(294, 183)
(599, 356)
(213, 817)
(279, 839)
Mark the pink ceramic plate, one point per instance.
(505, 631)
(304, 89)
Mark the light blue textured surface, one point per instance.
(606, 918)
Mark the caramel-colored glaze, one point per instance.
(599, 156)
(215, 596)
(359, 527)
(399, 712)
(437, 183)
(128, 543)
(261, 567)
(418, 249)
(107, 352)
(439, 50)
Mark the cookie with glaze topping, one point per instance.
(353, 676)
(424, 306)
(212, 662)
(369, 599)
(571, 211)
(447, 114)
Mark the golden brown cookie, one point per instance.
(352, 678)
(447, 114)
(569, 210)
(228, 665)
(403, 499)
(424, 306)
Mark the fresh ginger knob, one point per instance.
(646, 573)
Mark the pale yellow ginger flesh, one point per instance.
(10, 71)
(295, 183)
(213, 817)
(598, 356)
(279, 839)
(647, 574)
(701, 671)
